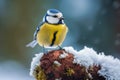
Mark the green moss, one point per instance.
(70, 72)
(39, 73)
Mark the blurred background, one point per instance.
(91, 23)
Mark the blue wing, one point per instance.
(37, 30)
(34, 42)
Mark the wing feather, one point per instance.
(34, 42)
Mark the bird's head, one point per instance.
(53, 16)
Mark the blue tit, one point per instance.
(52, 30)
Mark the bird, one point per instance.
(51, 31)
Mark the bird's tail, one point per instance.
(32, 44)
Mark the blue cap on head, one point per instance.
(53, 10)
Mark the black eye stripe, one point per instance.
(55, 16)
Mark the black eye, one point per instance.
(55, 16)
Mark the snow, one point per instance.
(56, 62)
(110, 66)
(12, 70)
(58, 79)
(63, 55)
(70, 50)
(35, 62)
(85, 57)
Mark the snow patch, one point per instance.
(56, 62)
(63, 55)
(35, 62)
(110, 67)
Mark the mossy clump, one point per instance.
(59, 65)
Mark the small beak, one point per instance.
(61, 18)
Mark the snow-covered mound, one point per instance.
(87, 57)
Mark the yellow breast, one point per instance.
(51, 35)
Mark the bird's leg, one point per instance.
(60, 48)
(43, 49)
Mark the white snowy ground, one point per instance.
(11, 70)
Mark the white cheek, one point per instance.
(52, 20)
